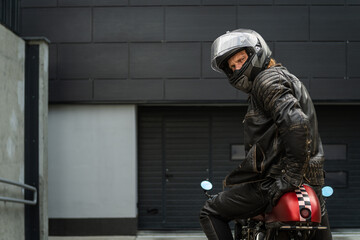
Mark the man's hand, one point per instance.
(277, 188)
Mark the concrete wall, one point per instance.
(92, 161)
(12, 60)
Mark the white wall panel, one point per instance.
(92, 161)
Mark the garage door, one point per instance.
(178, 148)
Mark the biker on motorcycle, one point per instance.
(282, 144)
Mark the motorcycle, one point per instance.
(297, 216)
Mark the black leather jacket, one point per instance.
(281, 132)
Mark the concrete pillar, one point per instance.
(43, 44)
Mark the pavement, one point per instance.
(338, 234)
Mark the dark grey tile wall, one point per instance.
(278, 23)
(217, 2)
(165, 60)
(198, 23)
(335, 89)
(68, 3)
(93, 60)
(293, 2)
(57, 24)
(316, 59)
(75, 3)
(203, 89)
(328, 2)
(146, 2)
(159, 50)
(354, 2)
(353, 52)
(93, 2)
(181, 2)
(335, 23)
(128, 90)
(71, 90)
(119, 24)
(255, 2)
(53, 61)
(39, 3)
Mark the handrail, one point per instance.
(17, 200)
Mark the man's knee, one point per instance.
(204, 212)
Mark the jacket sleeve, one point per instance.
(274, 93)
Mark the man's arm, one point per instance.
(274, 93)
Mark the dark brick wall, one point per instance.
(157, 51)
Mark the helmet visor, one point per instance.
(226, 44)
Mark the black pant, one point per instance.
(241, 202)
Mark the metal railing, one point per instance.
(9, 14)
(18, 200)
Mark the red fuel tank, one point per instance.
(290, 205)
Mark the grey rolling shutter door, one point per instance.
(340, 125)
(173, 159)
(150, 171)
(176, 149)
(186, 153)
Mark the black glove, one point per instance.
(277, 187)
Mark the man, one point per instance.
(282, 144)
